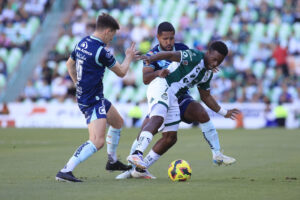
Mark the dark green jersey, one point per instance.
(189, 72)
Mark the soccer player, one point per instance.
(190, 110)
(86, 67)
(194, 68)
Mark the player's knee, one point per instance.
(98, 142)
(119, 123)
(154, 124)
(202, 117)
(171, 139)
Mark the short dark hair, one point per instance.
(219, 46)
(165, 27)
(106, 21)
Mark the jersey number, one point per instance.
(79, 69)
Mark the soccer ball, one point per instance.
(179, 170)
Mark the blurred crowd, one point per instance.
(19, 21)
(263, 37)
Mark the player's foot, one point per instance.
(137, 160)
(117, 166)
(142, 173)
(220, 159)
(66, 177)
(125, 175)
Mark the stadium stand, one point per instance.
(263, 37)
(20, 21)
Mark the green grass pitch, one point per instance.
(268, 167)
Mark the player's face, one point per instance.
(166, 40)
(213, 59)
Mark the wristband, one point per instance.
(222, 111)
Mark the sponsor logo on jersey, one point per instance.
(80, 56)
(84, 45)
(101, 110)
(185, 54)
(108, 55)
(206, 76)
(185, 62)
(84, 51)
(164, 96)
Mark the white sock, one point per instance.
(144, 140)
(133, 146)
(211, 136)
(151, 158)
(112, 141)
(81, 154)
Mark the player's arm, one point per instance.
(149, 74)
(167, 55)
(212, 104)
(71, 66)
(121, 69)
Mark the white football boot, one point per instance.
(137, 160)
(145, 174)
(220, 159)
(125, 175)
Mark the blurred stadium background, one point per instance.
(261, 76)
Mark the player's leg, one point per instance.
(116, 122)
(135, 142)
(171, 124)
(150, 129)
(158, 101)
(194, 112)
(96, 120)
(95, 142)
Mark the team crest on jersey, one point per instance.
(185, 62)
(84, 45)
(108, 55)
(206, 76)
(164, 96)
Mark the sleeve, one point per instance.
(184, 47)
(73, 54)
(205, 85)
(152, 65)
(105, 58)
(189, 57)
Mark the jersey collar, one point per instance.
(98, 39)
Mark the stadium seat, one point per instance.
(3, 53)
(13, 59)
(2, 81)
(258, 69)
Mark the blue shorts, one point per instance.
(96, 111)
(183, 102)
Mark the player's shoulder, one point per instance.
(180, 46)
(154, 50)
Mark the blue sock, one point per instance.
(211, 136)
(112, 141)
(81, 154)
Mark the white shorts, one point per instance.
(158, 92)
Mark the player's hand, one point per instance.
(131, 51)
(145, 58)
(232, 113)
(163, 73)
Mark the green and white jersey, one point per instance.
(189, 72)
